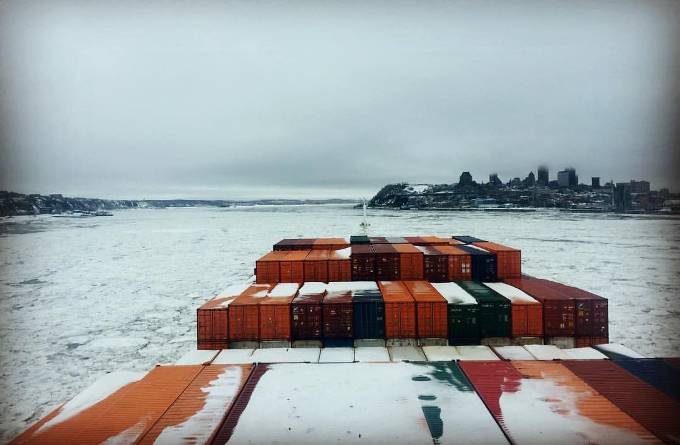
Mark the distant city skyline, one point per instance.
(247, 100)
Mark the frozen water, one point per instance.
(82, 297)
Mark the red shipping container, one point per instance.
(306, 312)
(337, 311)
(558, 309)
(583, 342)
(436, 264)
(459, 263)
(330, 243)
(427, 240)
(400, 310)
(363, 262)
(431, 310)
(647, 405)
(386, 262)
(339, 265)
(410, 262)
(275, 312)
(267, 269)
(244, 313)
(212, 320)
(293, 267)
(316, 266)
(508, 259)
(592, 311)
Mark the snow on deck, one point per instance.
(546, 352)
(513, 353)
(583, 354)
(373, 403)
(234, 357)
(371, 354)
(410, 353)
(336, 355)
(441, 353)
(197, 357)
(313, 288)
(477, 352)
(286, 355)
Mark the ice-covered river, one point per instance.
(81, 297)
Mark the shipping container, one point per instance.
(292, 267)
(330, 243)
(363, 262)
(582, 342)
(428, 240)
(494, 310)
(212, 319)
(359, 239)
(647, 405)
(558, 309)
(387, 265)
(513, 353)
(267, 269)
(410, 262)
(339, 265)
(316, 265)
(275, 312)
(541, 402)
(468, 239)
(655, 371)
(399, 403)
(396, 240)
(377, 240)
(368, 310)
(508, 259)
(615, 351)
(294, 244)
(337, 312)
(527, 312)
(459, 263)
(592, 311)
(431, 310)
(435, 264)
(400, 310)
(483, 263)
(244, 313)
(463, 314)
(306, 312)
(476, 353)
(120, 406)
(199, 410)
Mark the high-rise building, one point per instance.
(530, 180)
(494, 180)
(567, 178)
(639, 186)
(622, 198)
(595, 182)
(543, 176)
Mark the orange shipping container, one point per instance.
(527, 312)
(431, 310)
(508, 259)
(459, 263)
(212, 319)
(339, 265)
(410, 260)
(330, 243)
(293, 266)
(316, 266)
(267, 268)
(275, 312)
(400, 310)
(244, 314)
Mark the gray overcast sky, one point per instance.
(308, 99)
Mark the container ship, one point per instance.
(390, 340)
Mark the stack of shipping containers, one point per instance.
(494, 311)
(400, 310)
(387, 264)
(459, 263)
(306, 312)
(316, 266)
(463, 314)
(244, 313)
(368, 310)
(363, 262)
(527, 313)
(431, 310)
(435, 264)
(292, 267)
(410, 261)
(275, 312)
(508, 259)
(339, 265)
(212, 319)
(337, 314)
(483, 263)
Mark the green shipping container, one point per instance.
(494, 310)
(462, 312)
